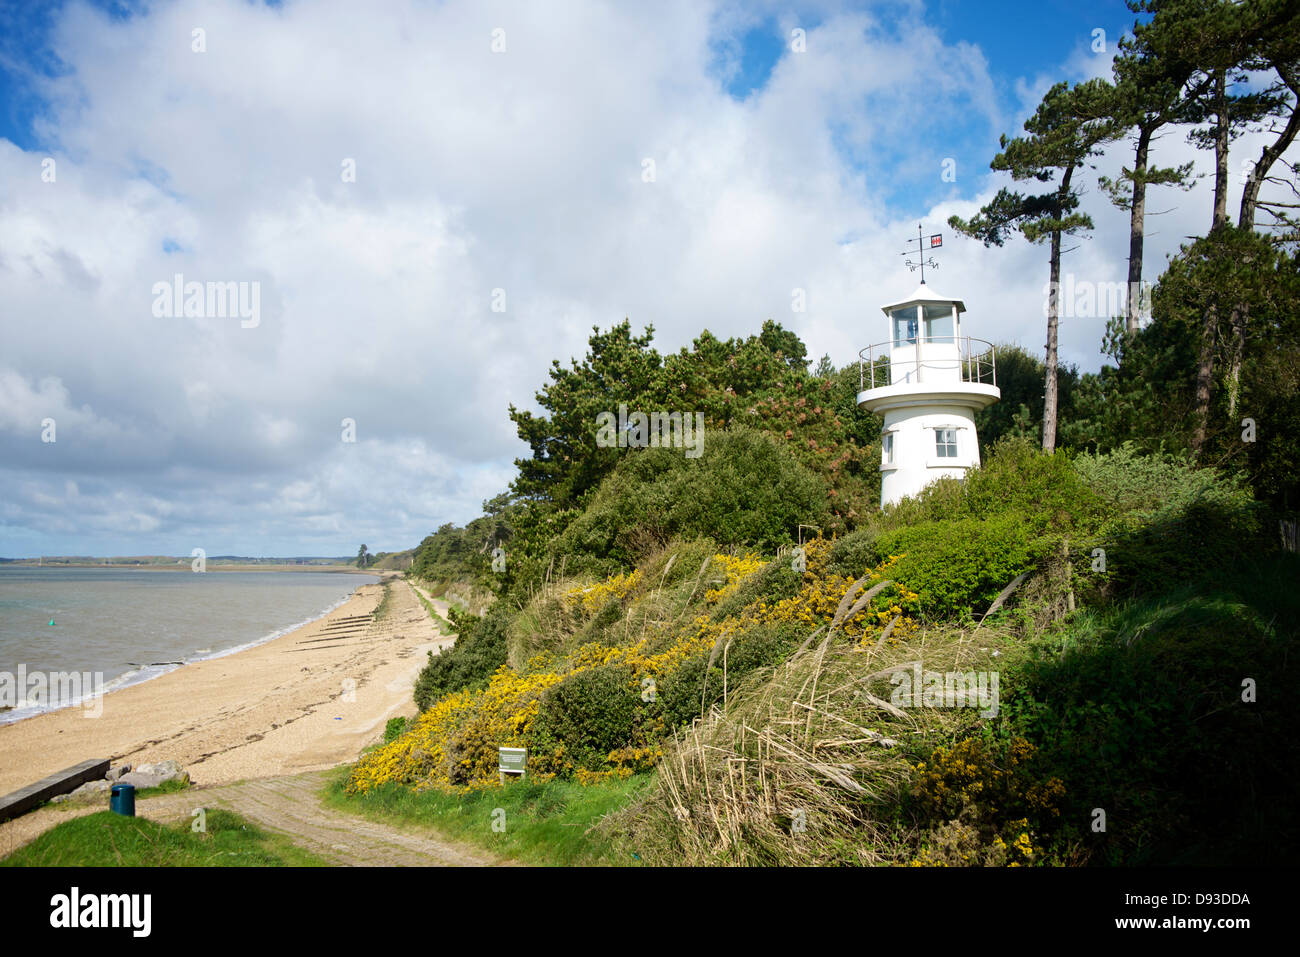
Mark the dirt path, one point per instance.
(437, 603)
(290, 803)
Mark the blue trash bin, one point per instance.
(122, 800)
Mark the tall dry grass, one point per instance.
(807, 762)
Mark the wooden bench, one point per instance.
(69, 779)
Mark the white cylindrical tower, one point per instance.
(937, 379)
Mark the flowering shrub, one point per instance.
(816, 602)
(987, 808)
(455, 741)
(596, 712)
(736, 571)
(593, 598)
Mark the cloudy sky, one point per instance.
(433, 200)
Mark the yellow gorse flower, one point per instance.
(594, 597)
(735, 570)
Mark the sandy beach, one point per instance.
(307, 700)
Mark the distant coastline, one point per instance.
(211, 566)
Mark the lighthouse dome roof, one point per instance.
(924, 294)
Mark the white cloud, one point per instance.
(475, 171)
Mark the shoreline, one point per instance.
(310, 698)
(186, 567)
(143, 673)
(154, 670)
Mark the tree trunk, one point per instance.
(1136, 228)
(1220, 149)
(1049, 385)
(1204, 377)
(1268, 156)
(1209, 327)
(1238, 326)
(1246, 220)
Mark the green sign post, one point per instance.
(511, 761)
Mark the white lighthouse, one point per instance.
(928, 381)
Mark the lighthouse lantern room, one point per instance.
(928, 381)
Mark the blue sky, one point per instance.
(429, 220)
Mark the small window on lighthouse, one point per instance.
(945, 443)
(904, 325)
(887, 448)
(939, 324)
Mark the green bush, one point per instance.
(678, 693)
(598, 710)
(684, 694)
(1044, 489)
(1169, 521)
(958, 567)
(853, 554)
(394, 729)
(744, 489)
(590, 713)
(1016, 476)
(1149, 485)
(942, 498)
(480, 649)
(1139, 709)
(963, 541)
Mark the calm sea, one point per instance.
(135, 624)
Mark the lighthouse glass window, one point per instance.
(904, 325)
(945, 443)
(939, 324)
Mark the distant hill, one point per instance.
(392, 561)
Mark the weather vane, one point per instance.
(936, 241)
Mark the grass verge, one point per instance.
(442, 623)
(167, 787)
(385, 603)
(547, 823)
(105, 839)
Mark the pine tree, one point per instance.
(1218, 44)
(1149, 95)
(1065, 131)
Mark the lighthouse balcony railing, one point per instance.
(881, 364)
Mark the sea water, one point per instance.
(133, 624)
